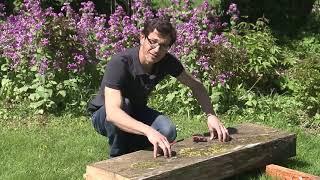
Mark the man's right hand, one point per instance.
(159, 143)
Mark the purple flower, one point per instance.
(44, 42)
(233, 10)
(234, 13)
(176, 2)
(43, 66)
(115, 18)
(73, 40)
(72, 66)
(219, 39)
(79, 59)
(204, 6)
(224, 77)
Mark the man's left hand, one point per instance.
(215, 125)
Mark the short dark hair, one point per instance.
(162, 25)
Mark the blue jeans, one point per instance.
(122, 142)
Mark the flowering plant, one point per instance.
(56, 60)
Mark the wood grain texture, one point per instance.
(252, 146)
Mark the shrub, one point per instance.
(304, 82)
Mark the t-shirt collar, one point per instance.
(138, 69)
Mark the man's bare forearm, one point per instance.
(126, 123)
(201, 94)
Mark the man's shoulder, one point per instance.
(127, 53)
(124, 57)
(169, 58)
(172, 65)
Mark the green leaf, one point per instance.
(23, 89)
(34, 96)
(5, 81)
(37, 104)
(170, 97)
(63, 93)
(4, 67)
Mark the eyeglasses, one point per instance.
(154, 44)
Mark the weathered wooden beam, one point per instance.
(251, 146)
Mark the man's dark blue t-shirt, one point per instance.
(124, 72)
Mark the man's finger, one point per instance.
(164, 149)
(219, 133)
(211, 134)
(227, 134)
(155, 150)
(224, 133)
(226, 130)
(168, 147)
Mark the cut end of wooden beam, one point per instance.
(283, 173)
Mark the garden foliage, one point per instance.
(55, 60)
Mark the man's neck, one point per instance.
(147, 68)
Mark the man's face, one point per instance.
(153, 47)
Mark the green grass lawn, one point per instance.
(58, 149)
(61, 147)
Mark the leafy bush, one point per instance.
(256, 63)
(304, 81)
(302, 78)
(247, 59)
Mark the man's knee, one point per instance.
(170, 133)
(98, 121)
(101, 118)
(165, 126)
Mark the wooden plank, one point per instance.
(282, 173)
(251, 146)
